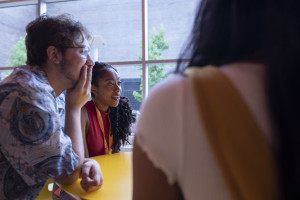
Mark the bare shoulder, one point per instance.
(245, 69)
(249, 79)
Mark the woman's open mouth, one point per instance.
(116, 98)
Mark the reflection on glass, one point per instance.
(12, 46)
(117, 24)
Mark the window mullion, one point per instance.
(42, 7)
(145, 46)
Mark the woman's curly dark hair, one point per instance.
(121, 117)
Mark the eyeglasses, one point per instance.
(85, 50)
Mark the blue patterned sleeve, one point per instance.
(34, 142)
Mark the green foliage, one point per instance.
(156, 72)
(17, 54)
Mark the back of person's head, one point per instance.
(59, 31)
(230, 31)
(266, 32)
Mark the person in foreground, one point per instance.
(227, 125)
(40, 109)
(107, 118)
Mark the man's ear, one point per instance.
(54, 54)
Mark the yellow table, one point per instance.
(117, 174)
(46, 194)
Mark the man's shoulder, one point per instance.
(27, 74)
(28, 85)
(28, 80)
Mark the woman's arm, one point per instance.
(85, 129)
(150, 182)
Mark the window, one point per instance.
(116, 23)
(12, 28)
(175, 17)
(141, 38)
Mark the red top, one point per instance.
(94, 140)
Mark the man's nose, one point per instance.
(89, 61)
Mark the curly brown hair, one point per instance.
(59, 31)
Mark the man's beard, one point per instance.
(70, 80)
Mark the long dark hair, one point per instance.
(261, 31)
(121, 117)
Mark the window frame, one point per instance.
(144, 62)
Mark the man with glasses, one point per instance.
(40, 111)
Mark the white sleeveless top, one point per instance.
(169, 131)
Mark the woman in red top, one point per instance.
(106, 119)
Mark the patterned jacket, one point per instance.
(33, 146)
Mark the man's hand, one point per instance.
(77, 96)
(91, 175)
